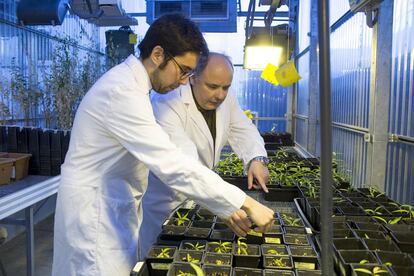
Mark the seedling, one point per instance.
(406, 210)
(165, 253)
(374, 211)
(274, 252)
(197, 269)
(190, 259)
(278, 263)
(377, 270)
(222, 247)
(391, 221)
(181, 219)
(198, 246)
(241, 246)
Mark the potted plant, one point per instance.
(221, 247)
(296, 239)
(185, 269)
(369, 269)
(246, 255)
(278, 272)
(347, 257)
(218, 259)
(189, 256)
(274, 250)
(242, 271)
(159, 259)
(217, 270)
(198, 245)
(278, 262)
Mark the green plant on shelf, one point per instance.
(278, 263)
(241, 246)
(182, 273)
(405, 210)
(292, 221)
(374, 193)
(375, 211)
(390, 221)
(197, 269)
(181, 219)
(281, 154)
(198, 246)
(350, 189)
(188, 258)
(165, 253)
(377, 270)
(364, 261)
(222, 247)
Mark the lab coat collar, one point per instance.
(141, 75)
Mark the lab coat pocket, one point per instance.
(118, 224)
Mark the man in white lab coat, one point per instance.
(201, 118)
(115, 140)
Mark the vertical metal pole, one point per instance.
(313, 79)
(326, 137)
(30, 261)
(381, 65)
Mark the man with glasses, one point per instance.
(115, 140)
(200, 118)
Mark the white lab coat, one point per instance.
(115, 138)
(177, 113)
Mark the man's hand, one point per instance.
(259, 214)
(260, 173)
(239, 223)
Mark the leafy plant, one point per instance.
(181, 219)
(374, 211)
(278, 263)
(377, 270)
(391, 221)
(165, 253)
(274, 252)
(190, 259)
(222, 247)
(197, 246)
(373, 193)
(241, 246)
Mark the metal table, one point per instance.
(23, 195)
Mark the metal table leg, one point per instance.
(30, 262)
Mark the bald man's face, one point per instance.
(211, 87)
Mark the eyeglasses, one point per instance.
(183, 73)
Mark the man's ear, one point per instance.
(157, 55)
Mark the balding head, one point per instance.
(212, 80)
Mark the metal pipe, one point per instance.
(326, 136)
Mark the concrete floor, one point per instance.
(13, 253)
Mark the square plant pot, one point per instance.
(222, 235)
(369, 226)
(402, 270)
(201, 224)
(159, 259)
(277, 272)
(254, 237)
(177, 269)
(221, 247)
(343, 234)
(189, 256)
(296, 239)
(404, 240)
(273, 238)
(221, 227)
(295, 230)
(365, 269)
(247, 255)
(204, 217)
(198, 245)
(383, 245)
(348, 244)
(303, 272)
(302, 251)
(218, 259)
(217, 270)
(282, 194)
(242, 271)
(395, 259)
(278, 262)
(306, 263)
(274, 250)
(177, 222)
(184, 212)
(347, 257)
(171, 232)
(364, 234)
(400, 228)
(197, 233)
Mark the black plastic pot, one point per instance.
(400, 228)
(404, 240)
(342, 233)
(159, 265)
(295, 239)
(171, 232)
(175, 222)
(197, 233)
(282, 194)
(238, 181)
(348, 244)
(369, 234)
(241, 271)
(305, 263)
(268, 262)
(189, 256)
(201, 224)
(369, 227)
(384, 245)
(252, 259)
(222, 235)
(221, 227)
(254, 237)
(395, 258)
(278, 272)
(269, 250)
(302, 251)
(178, 268)
(295, 230)
(216, 270)
(347, 257)
(402, 270)
(218, 259)
(301, 272)
(199, 245)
